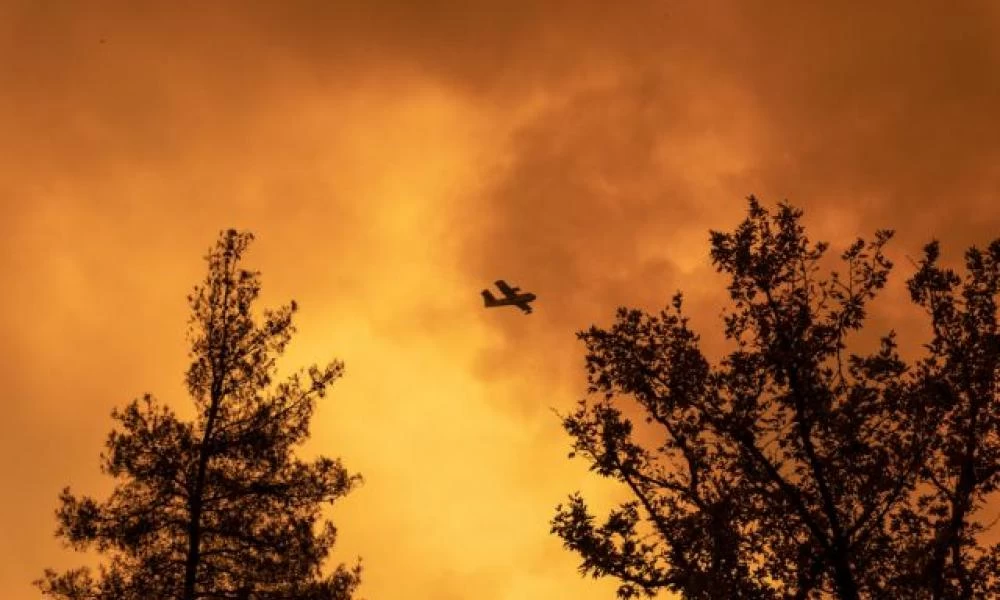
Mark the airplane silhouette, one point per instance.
(511, 297)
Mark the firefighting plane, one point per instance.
(511, 297)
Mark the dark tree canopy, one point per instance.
(794, 469)
(218, 507)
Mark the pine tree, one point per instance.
(218, 507)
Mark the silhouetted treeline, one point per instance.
(794, 469)
(218, 507)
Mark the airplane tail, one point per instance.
(488, 298)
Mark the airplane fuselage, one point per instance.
(513, 300)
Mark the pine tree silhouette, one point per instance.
(218, 507)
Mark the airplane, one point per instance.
(511, 297)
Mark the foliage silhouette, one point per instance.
(218, 507)
(792, 469)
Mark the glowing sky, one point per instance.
(393, 158)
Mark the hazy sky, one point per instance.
(393, 158)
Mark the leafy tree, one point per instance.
(792, 468)
(218, 507)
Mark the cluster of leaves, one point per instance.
(218, 507)
(792, 469)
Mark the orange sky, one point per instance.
(393, 158)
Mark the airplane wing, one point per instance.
(506, 289)
(525, 307)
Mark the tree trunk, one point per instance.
(195, 502)
(847, 589)
(195, 507)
